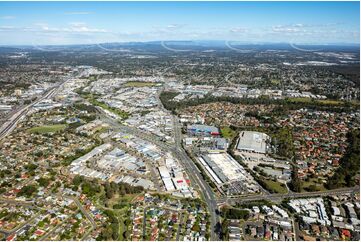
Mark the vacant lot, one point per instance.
(228, 133)
(47, 128)
(312, 185)
(274, 187)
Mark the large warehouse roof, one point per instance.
(202, 128)
(252, 141)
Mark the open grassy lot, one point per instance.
(331, 102)
(275, 81)
(274, 186)
(140, 84)
(300, 99)
(47, 128)
(228, 133)
(312, 185)
(323, 101)
(120, 113)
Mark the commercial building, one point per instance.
(252, 141)
(166, 178)
(93, 153)
(224, 169)
(200, 129)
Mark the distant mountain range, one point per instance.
(193, 45)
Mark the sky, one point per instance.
(53, 23)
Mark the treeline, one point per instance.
(230, 213)
(251, 204)
(283, 141)
(27, 191)
(287, 103)
(111, 229)
(295, 184)
(234, 213)
(347, 174)
(93, 187)
(121, 188)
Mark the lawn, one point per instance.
(47, 128)
(228, 133)
(140, 84)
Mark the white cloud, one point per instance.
(77, 27)
(238, 30)
(5, 28)
(175, 26)
(7, 17)
(78, 13)
(286, 29)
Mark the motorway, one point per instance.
(12, 121)
(279, 197)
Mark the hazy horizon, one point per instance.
(74, 23)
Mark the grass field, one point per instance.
(300, 99)
(47, 128)
(140, 84)
(313, 185)
(228, 133)
(120, 113)
(323, 101)
(275, 186)
(275, 81)
(330, 102)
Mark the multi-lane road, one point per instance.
(198, 182)
(14, 118)
(177, 150)
(12, 121)
(279, 197)
(179, 153)
(196, 178)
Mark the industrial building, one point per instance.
(224, 169)
(166, 178)
(118, 159)
(97, 151)
(146, 184)
(203, 130)
(252, 141)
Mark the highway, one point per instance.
(12, 121)
(197, 180)
(203, 187)
(179, 153)
(278, 197)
